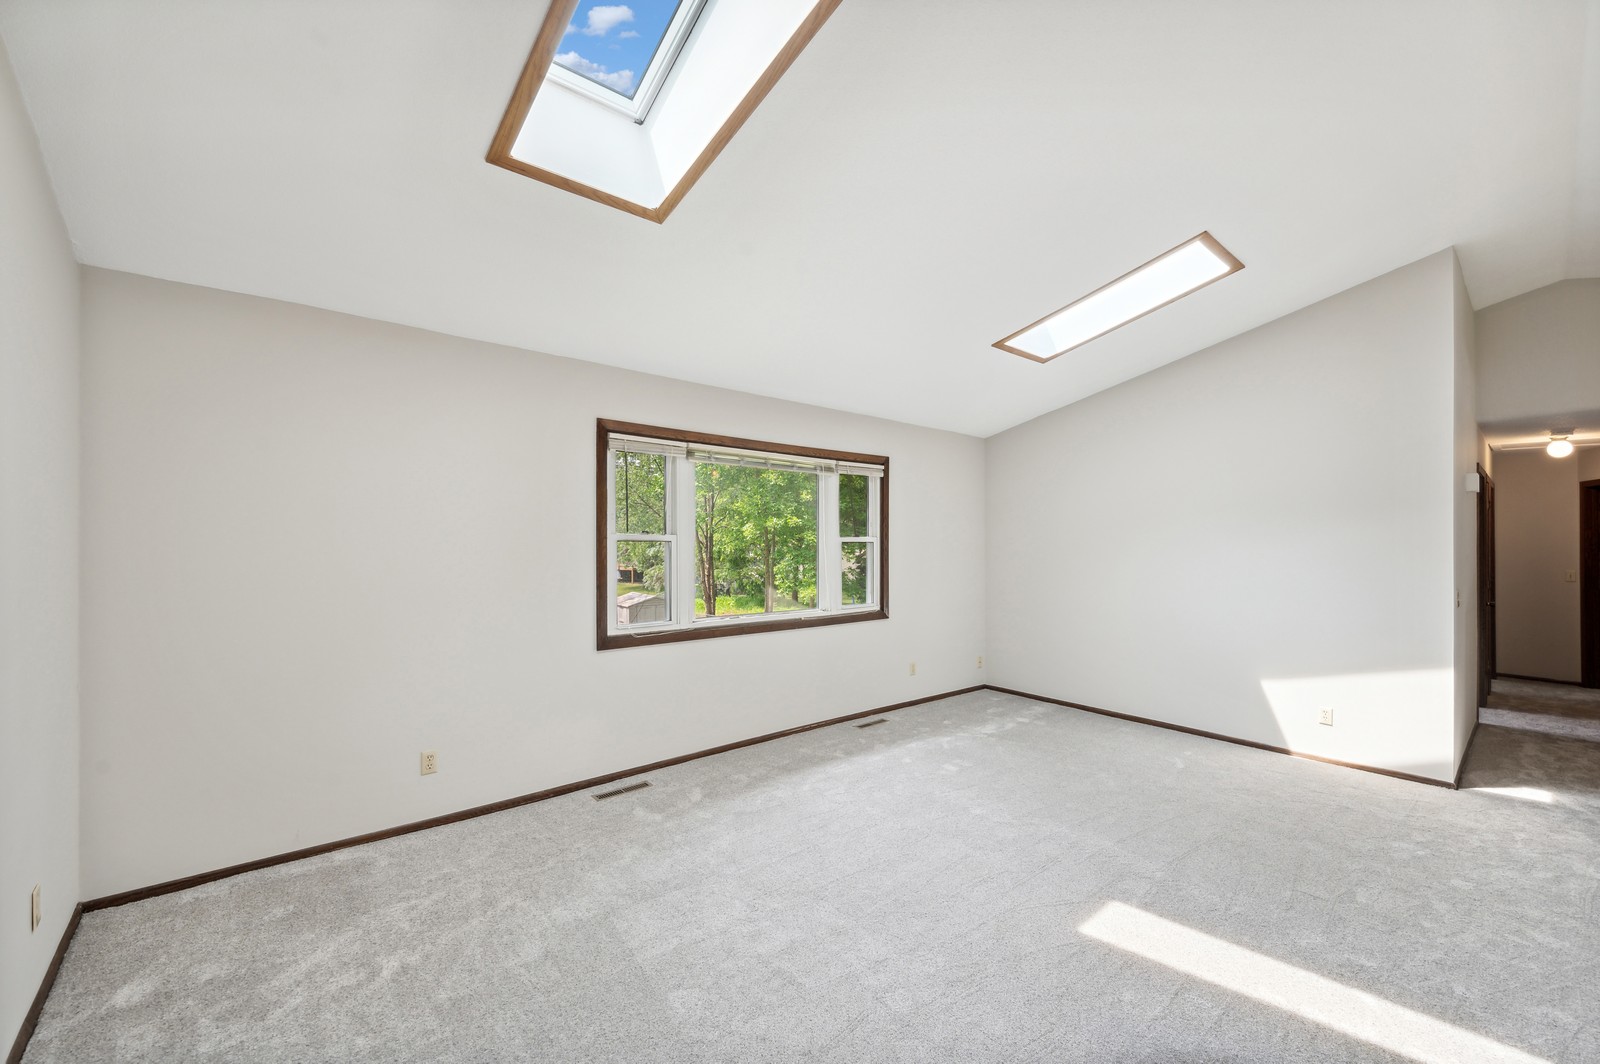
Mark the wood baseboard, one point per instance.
(200, 878)
(1466, 753)
(173, 885)
(1430, 781)
(31, 1020)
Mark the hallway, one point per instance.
(1538, 741)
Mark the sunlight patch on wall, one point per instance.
(1401, 719)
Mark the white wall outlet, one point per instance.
(1325, 716)
(38, 913)
(430, 762)
(1572, 576)
(913, 668)
(980, 661)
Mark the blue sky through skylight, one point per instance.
(612, 44)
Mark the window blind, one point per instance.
(735, 457)
(644, 445)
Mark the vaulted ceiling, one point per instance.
(926, 179)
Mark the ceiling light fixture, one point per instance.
(1559, 446)
(1165, 279)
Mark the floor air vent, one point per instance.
(603, 795)
(870, 723)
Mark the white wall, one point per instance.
(1299, 557)
(1539, 356)
(1468, 450)
(1538, 612)
(316, 545)
(38, 562)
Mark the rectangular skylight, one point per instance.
(705, 66)
(619, 54)
(1165, 279)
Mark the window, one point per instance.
(705, 535)
(619, 54)
(1165, 279)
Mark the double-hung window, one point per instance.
(704, 535)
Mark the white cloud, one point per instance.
(603, 19)
(620, 80)
(625, 34)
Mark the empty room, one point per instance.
(799, 530)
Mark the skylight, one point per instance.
(628, 103)
(1165, 279)
(619, 54)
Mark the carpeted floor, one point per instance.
(1551, 708)
(980, 879)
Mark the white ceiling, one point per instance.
(1528, 434)
(926, 179)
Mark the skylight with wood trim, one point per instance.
(1164, 280)
(627, 104)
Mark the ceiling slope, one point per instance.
(925, 180)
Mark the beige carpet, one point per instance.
(981, 879)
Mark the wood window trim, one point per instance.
(605, 608)
(538, 65)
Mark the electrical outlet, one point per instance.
(1325, 716)
(980, 661)
(913, 668)
(38, 913)
(1572, 576)
(430, 762)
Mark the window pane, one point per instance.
(856, 562)
(853, 511)
(640, 501)
(755, 540)
(612, 44)
(642, 573)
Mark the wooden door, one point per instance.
(1486, 617)
(1589, 579)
